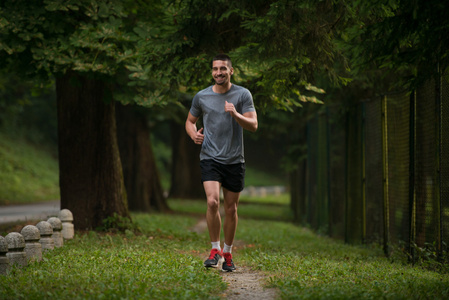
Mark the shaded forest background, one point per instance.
(118, 72)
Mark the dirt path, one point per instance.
(244, 283)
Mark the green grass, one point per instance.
(306, 266)
(267, 208)
(254, 177)
(282, 199)
(164, 261)
(161, 263)
(27, 173)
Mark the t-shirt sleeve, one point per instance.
(248, 103)
(195, 109)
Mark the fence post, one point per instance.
(347, 186)
(363, 158)
(412, 190)
(386, 202)
(439, 124)
(328, 172)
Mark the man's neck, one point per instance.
(221, 89)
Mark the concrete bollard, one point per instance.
(277, 191)
(252, 191)
(263, 192)
(4, 260)
(33, 248)
(57, 228)
(68, 229)
(16, 249)
(46, 231)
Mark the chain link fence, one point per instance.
(379, 172)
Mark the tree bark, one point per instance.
(142, 180)
(90, 172)
(186, 172)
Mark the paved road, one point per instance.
(24, 212)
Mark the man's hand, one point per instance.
(248, 120)
(229, 107)
(199, 137)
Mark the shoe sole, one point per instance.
(227, 270)
(220, 263)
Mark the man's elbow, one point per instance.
(254, 127)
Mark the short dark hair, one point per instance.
(223, 57)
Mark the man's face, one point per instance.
(221, 72)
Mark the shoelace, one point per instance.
(228, 259)
(212, 253)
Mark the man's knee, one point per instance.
(231, 210)
(213, 204)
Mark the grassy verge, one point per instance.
(160, 263)
(306, 266)
(164, 261)
(27, 173)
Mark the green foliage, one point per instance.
(407, 38)
(27, 110)
(108, 39)
(428, 257)
(287, 44)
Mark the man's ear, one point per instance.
(232, 71)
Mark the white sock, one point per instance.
(227, 249)
(216, 245)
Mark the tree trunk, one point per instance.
(90, 172)
(186, 172)
(142, 180)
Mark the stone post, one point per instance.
(46, 231)
(4, 260)
(16, 247)
(68, 229)
(33, 248)
(57, 235)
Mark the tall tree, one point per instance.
(90, 173)
(141, 177)
(186, 172)
(89, 47)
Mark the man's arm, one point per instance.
(248, 120)
(196, 135)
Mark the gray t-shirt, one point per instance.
(223, 136)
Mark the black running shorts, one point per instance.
(232, 177)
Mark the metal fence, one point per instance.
(379, 172)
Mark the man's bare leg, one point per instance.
(231, 201)
(212, 189)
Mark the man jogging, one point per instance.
(226, 109)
